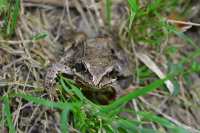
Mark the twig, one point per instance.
(49, 2)
(16, 41)
(182, 22)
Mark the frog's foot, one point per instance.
(53, 72)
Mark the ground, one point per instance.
(145, 30)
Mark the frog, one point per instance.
(96, 64)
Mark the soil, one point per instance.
(23, 63)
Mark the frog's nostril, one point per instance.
(96, 80)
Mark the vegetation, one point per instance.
(145, 25)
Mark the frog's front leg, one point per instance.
(53, 72)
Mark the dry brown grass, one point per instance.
(23, 63)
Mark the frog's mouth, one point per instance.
(101, 95)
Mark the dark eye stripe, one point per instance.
(80, 67)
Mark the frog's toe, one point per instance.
(50, 78)
(53, 72)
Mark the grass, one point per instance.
(89, 117)
(108, 11)
(145, 25)
(9, 12)
(7, 114)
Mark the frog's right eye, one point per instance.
(80, 67)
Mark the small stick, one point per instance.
(49, 2)
(182, 22)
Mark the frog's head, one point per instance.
(98, 72)
(98, 60)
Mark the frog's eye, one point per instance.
(112, 51)
(80, 67)
(112, 73)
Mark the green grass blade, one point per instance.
(154, 6)
(134, 9)
(161, 121)
(183, 36)
(14, 14)
(71, 88)
(64, 119)
(152, 117)
(195, 67)
(127, 125)
(133, 4)
(66, 107)
(41, 101)
(65, 87)
(40, 36)
(108, 11)
(138, 92)
(74, 88)
(3, 5)
(7, 112)
(131, 127)
(190, 56)
(77, 91)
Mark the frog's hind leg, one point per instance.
(53, 72)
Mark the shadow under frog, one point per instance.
(101, 69)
